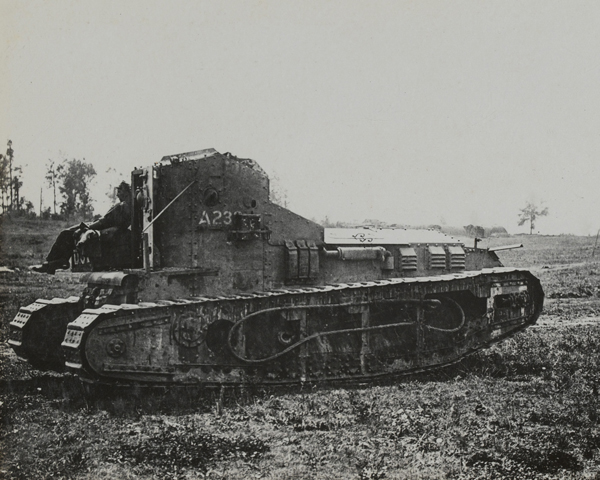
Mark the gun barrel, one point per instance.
(505, 247)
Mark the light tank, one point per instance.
(218, 285)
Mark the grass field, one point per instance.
(526, 408)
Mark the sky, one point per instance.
(409, 112)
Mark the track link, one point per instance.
(38, 329)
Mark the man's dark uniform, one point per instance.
(113, 224)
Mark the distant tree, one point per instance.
(8, 180)
(498, 231)
(327, 223)
(374, 222)
(25, 209)
(75, 178)
(16, 186)
(10, 186)
(28, 206)
(53, 172)
(115, 178)
(4, 182)
(530, 213)
(475, 231)
(278, 194)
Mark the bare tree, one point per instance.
(53, 173)
(16, 186)
(9, 155)
(530, 213)
(4, 182)
(10, 181)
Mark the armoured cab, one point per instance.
(203, 221)
(203, 224)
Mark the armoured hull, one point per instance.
(263, 297)
(342, 333)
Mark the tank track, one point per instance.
(346, 333)
(38, 329)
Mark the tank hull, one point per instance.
(335, 334)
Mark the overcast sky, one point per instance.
(412, 112)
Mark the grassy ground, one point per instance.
(526, 408)
(26, 242)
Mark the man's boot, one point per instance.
(51, 267)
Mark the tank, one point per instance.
(218, 285)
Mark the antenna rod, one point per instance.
(170, 203)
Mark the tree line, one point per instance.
(69, 180)
(72, 179)
(10, 182)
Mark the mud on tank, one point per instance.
(218, 285)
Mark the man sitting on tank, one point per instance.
(114, 223)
